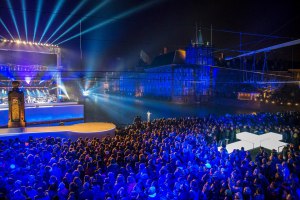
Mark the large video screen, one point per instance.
(27, 58)
(35, 72)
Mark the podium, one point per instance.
(16, 104)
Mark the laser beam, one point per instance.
(24, 18)
(101, 5)
(122, 15)
(37, 17)
(52, 17)
(68, 18)
(11, 10)
(3, 24)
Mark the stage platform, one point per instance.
(47, 113)
(250, 141)
(90, 130)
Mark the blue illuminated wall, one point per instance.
(197, 54)
(46, 113)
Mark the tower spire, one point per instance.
(199, 39)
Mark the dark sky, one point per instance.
(166, 23)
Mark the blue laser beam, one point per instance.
(24, 18)
(52, 17)
(122, 15)
(101, 5)
(68, 18)
(3, 24)
(37, 17)
(11, 10)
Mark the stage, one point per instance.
(47, 113)
(89, 130)
(251, 141)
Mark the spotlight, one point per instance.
(18, 41)
(296, 104)
(288, 103)
(27, 80)
(86, 93)
(12, 166)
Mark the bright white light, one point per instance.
(86, 93)
(27, 79)
(18, 41)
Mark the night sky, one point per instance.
(163, 23)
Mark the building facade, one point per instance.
(181, 76)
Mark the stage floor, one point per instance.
(90, 130)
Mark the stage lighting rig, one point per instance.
(28, 43)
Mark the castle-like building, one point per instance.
(181, 76)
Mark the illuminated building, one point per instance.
(180, 76)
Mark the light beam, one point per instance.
(122, 15)
(56, 9)
(37, 17)
(68, 18)
(274, 47)
(3, 24)
(11, 10)
(24, 18)
(83, 19)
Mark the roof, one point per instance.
(175, 57)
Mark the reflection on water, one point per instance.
(122, 110)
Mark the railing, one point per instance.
(280, 147)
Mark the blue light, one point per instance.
(81, 20)
(37, 17)
(12, 166)
(122, 15)
(68, 18)
(24, 18)
(3, 24)
(56, 9)
(11, 10)
(86, 93)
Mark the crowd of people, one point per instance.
(164, 159)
